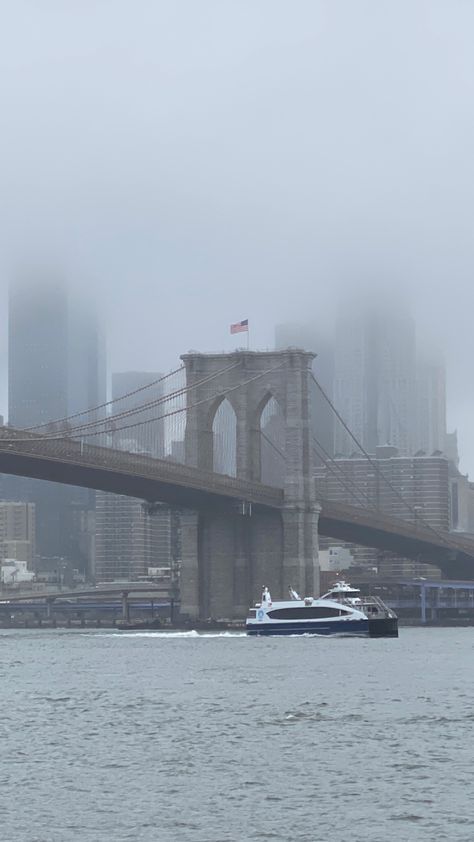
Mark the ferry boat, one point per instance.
(305, 616)
(341, 611)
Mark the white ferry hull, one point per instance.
(344, 627)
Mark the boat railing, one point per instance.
(365, 601)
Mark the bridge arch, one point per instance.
(223, 439)
(271, 441)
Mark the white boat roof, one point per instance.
(343, 587)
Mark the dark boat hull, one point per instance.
(347, 628)
(383, 627)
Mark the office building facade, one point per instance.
(18, 532)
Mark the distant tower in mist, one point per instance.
(56, 354)
(56, 366)
(384, 389)
(431, 407)
(375, 378)
(37, 353)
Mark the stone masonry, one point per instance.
(228, 555)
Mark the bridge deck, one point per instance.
(137, 475)
(132, 474)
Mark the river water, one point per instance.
(109, 737)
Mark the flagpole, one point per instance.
(248, 337)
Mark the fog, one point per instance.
(190, 164)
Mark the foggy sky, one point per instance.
(191, 163)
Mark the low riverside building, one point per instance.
(18, 531)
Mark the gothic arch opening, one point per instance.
(272, 443)
(224, 439)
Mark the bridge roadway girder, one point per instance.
(135, 475)
(130, 474)
(452, 554)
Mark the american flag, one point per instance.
(240, 327)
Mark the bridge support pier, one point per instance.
(189, 575)
(300, 554)
(227, 558)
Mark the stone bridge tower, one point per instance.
(228, 555)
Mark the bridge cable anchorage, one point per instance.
(380, 473)
(136, 410)
(58, 437)
(354, 492)
(107, 403)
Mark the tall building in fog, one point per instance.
(375, 379)
(56, 366)
(56, 354)
(37, 353)
(87, 385)
(431, 407)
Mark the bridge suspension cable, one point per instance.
(178, 411)
(125, 396)
(376, 467)
(182, 409)
(106, 422)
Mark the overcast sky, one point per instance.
(195, 162)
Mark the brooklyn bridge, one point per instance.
(232, 442)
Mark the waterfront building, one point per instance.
(14, 572)
(130, 540)
(18, 532)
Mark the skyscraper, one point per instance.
(431, 406)
(56, 366)
(375, 379)
(37, 353)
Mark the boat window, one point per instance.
(312, 612)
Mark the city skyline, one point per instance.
(427, 359)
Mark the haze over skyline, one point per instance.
(202, 163)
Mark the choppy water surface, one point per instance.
(107, 737)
